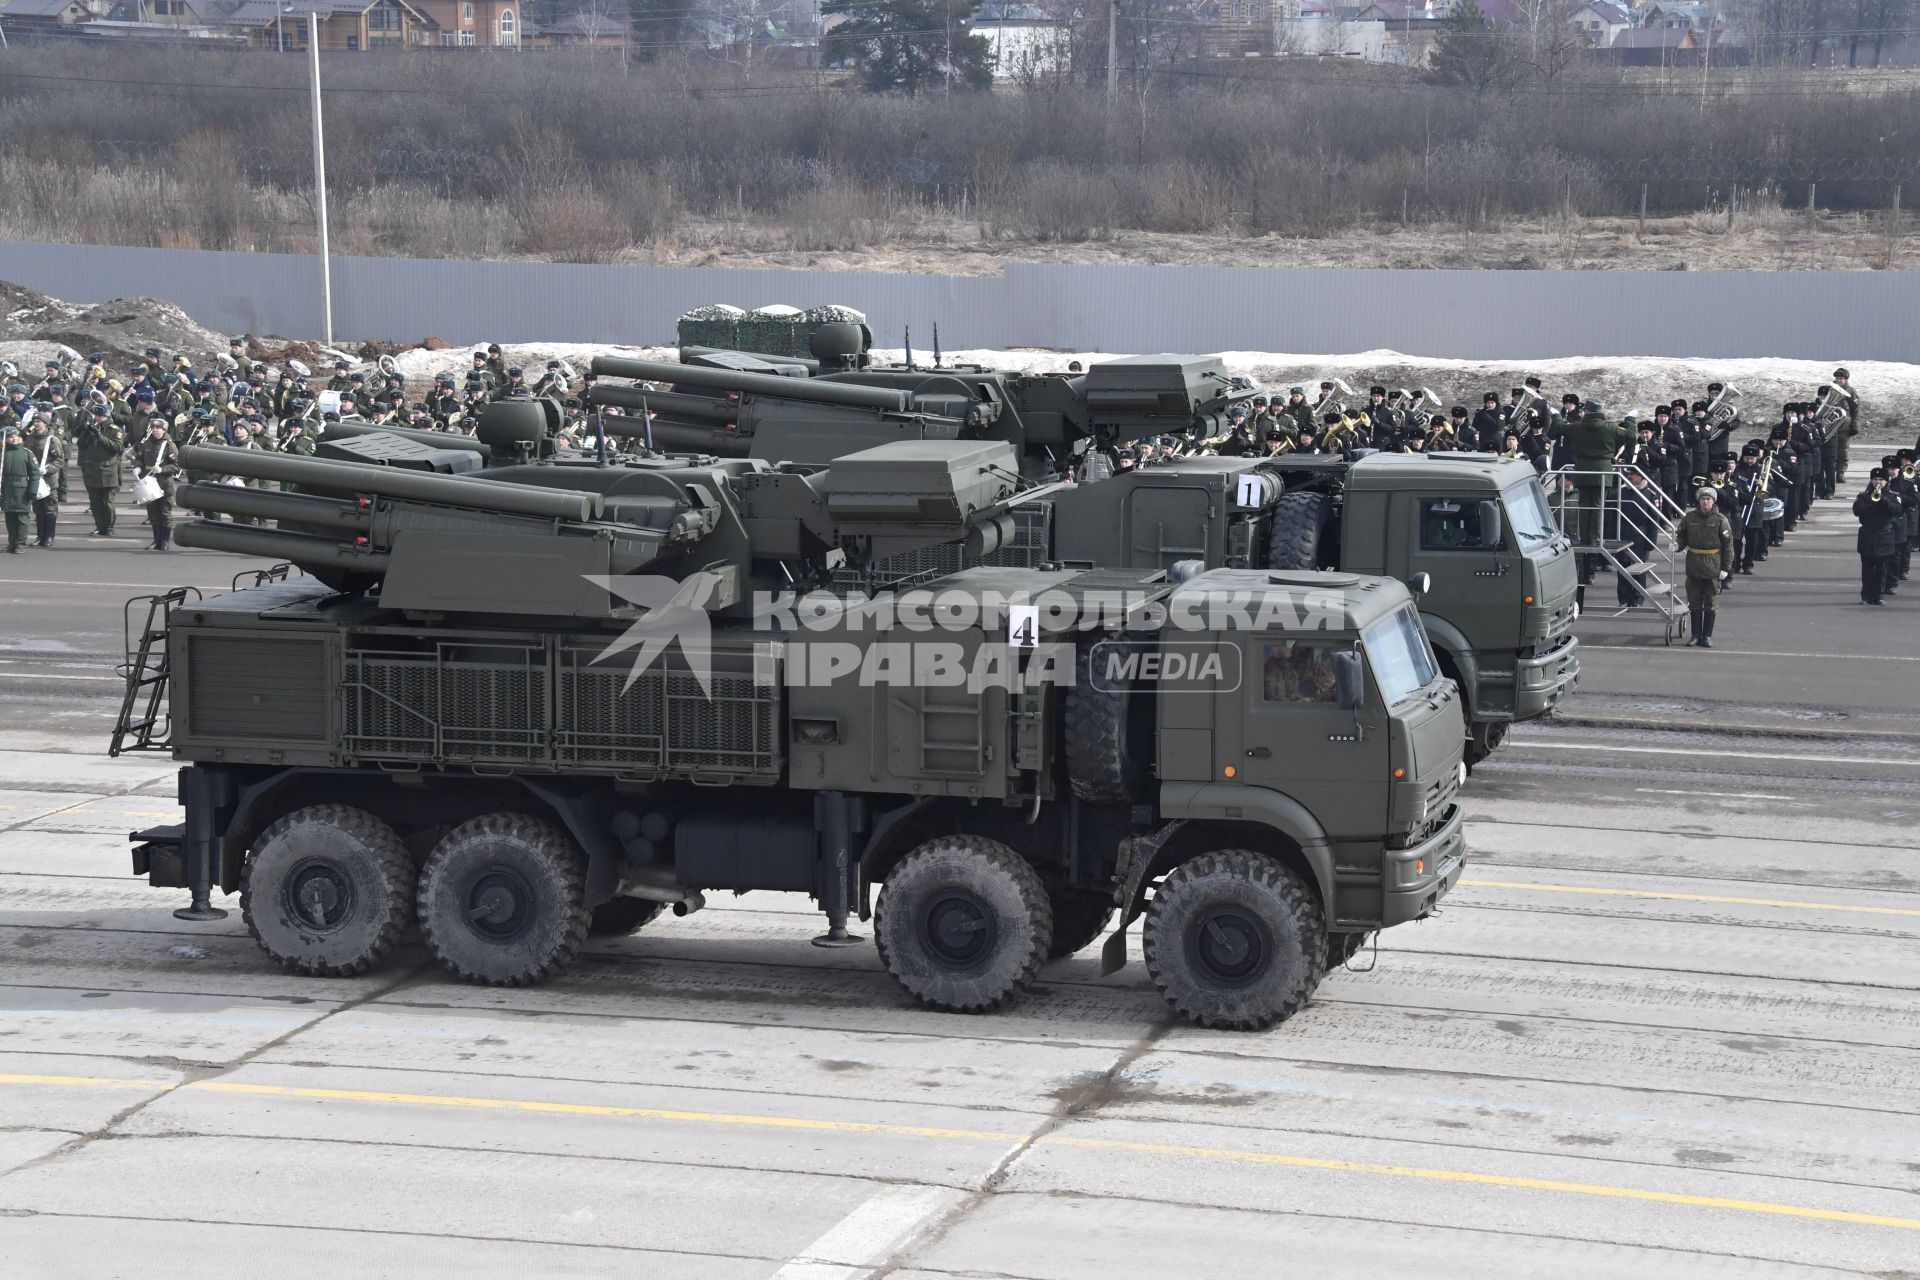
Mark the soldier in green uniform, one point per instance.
(242, 363)
(100, 442)
(1592, 441)
(50, 479)
(159, 458)
(1848, 429)
(16, 487)
(243, 439)
(1707, 539)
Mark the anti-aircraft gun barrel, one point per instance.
(673, 404)
(681, 437)
(264, 504)
(305, 550)
(686, 375)
(393, 482)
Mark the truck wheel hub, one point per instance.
(1229, 946)
(500, 904)
(319, 895)
(959, 928)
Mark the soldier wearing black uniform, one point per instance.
(1489, 424)
(1780, 481)
(1902, 485)
(1640, 522)
(1673, 446)
(1878, 510)
(1727, 502)
(1646, 451)
(1383, 424)
(1747, 493)
(1806, 449)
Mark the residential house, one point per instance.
(578, 30)
(1602, 21)
(40, 17)
(1024, 40)
(484, 24)
(172, 13)
(345, 25)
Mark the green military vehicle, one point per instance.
(551, 699)
(1499, 606)
(1499, 573)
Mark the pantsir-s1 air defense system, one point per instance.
(1501, 577)
(547, 699)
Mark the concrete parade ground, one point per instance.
(1669, 1026)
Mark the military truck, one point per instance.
(1500, 611)
(448, 724)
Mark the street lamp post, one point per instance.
(320, 178)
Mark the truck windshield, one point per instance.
(1527, 509)
(1402, 661)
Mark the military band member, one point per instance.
(159, 457)
(1878, 510)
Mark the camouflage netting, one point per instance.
(714, 325)
(774, 330)
(832, 314)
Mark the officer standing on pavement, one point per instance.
(1706, 538)
(1877, 510)
(100, 443)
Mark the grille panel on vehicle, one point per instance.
(257, 687)
(490, 704)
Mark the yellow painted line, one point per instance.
(1489, 1180)
(1663, 895)
(801, 1124)
(89, 1082)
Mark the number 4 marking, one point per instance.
(1023, 626)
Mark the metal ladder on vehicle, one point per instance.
(148, 674)
(1650, 516)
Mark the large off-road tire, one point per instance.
(1298, 534)
(617, 917)
(500, 900)
(1079, 916)
(1235, 941)
(1483, 739)
(963, 923)
(327, 891)
(1109, 737)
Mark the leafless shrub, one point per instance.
(573, 223)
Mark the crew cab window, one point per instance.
(1299, 671)
(1450, 524)
(1402, 659)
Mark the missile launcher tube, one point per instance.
(303, 549)
(393, 482)
(263, 504)
(683, 375)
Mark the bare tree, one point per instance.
(741, 26)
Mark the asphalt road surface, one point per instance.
(1667, 1027)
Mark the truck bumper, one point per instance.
(1418, 876)
(1541, 681)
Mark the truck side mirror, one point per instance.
(1491, 538)
(1349, 683)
